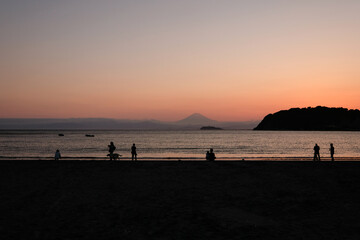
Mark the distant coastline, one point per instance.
(192, 122)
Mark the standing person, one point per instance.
(332, 151)
(111, 150)
(212, 155)
(316, 153)
(57, 155)
(133, 152)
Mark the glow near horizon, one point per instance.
(228, 60)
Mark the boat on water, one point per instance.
(61, 135)
(89, 135)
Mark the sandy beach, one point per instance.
(179, 200)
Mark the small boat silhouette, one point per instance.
(89, 135)
(61, 135)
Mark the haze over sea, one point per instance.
(174, 145)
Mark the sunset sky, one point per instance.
(141, 59)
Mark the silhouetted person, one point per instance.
(57, 155)
(316, 153)
(207, 156)
(211, 155)
(133, 152)
(332, 151)
(111, 150)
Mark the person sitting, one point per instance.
(207, 156)
(212, 155)
(57, 155)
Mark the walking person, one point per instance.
(133, 152)
(332, 151)
(111, 150)
(316, 153)
(57, 155)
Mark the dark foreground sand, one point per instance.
(179, 200)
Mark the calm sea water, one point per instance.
(176, 144)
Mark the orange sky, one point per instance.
(229, 60)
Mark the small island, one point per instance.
(210, 128)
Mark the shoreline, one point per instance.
(156, 159)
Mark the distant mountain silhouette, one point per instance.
(197, 119)
(82, 123)
(193, 122)
(312, 119)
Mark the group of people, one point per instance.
(210, 155)
(114, 156)
(317, 152)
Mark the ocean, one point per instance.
(177, 145)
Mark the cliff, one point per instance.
(312, 119)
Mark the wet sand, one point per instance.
(179, 200)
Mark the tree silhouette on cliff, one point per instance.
(312, 119)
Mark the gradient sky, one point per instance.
(141, 59)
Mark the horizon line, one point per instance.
(109, 118)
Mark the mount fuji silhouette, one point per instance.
(197, 119)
